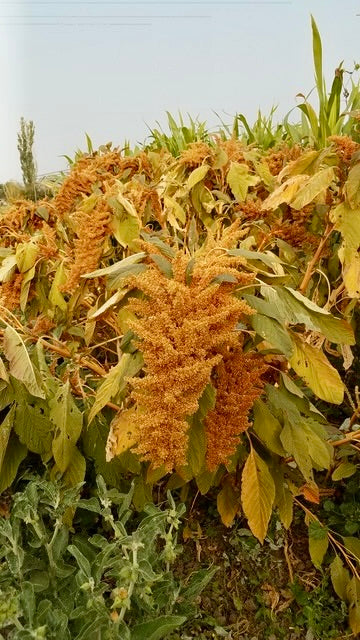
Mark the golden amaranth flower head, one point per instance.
(237, 379)
(183, 325)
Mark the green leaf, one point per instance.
(239, 180)
(75, 471)
(114, 382)
(197, 175)
(157, 628)
(284, 500)
(320, 451)
(197, 583)
(273, 332)
(122, 268)
(20, 364)
(353, 595)
(82, 562)
(5, 430)
(317, 57)
(267, 427)
(33, 425)
(294, 441)
(68, 424)
(318, 543)
(114, 299)
(344, 470)
(14, 455)
(196, 432)
(340, 578)
(257, 494)
(162, 264)
(205, 481)
(353, 545)
(315, 369)
(297, 309)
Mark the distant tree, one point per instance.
(25, 145)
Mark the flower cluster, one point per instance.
(95, 169)
(183, 324)
(345, 147)
(238, 382)
(92, 227)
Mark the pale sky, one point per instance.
(112, 68)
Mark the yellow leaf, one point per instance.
(122, 434)
(315, 185)
(26, 254)
(240, 179)
(257, 494)
(228, 503)
(352, 186)
(285, 193)
(311, 492)
(55, 296)
(313, 366)
(346, 221)
(197, 175)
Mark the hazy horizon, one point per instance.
(112, 68)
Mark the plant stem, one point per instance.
(312, 263)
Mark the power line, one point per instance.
(75, 24)
(102, 17)
(150, 2)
